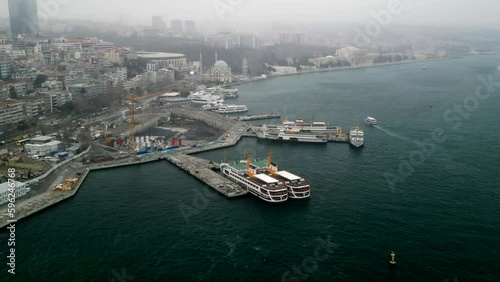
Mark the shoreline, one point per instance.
(340, 69)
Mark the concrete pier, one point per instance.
(257, 117)
(202, 170)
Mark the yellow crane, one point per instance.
(132, 124)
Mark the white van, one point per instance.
(48, 158)
(35, 157)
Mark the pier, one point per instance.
(203, 170)
(257, 117)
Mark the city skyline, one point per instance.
(220, 13)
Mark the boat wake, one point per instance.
(390, 133)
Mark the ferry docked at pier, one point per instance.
(356, 137)
(229, 109)
(258, 183)
(301, 126)
(205, 98)
(282, 135)
(223, 92)
(298, 187)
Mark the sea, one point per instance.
(425, 186)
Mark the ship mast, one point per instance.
(249, 161)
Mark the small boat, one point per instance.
(424, 67)
(371, 121)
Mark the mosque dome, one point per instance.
(221, 64)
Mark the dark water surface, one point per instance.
(441, 215)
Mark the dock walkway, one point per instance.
(202, 170)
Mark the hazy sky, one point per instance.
(478, 13)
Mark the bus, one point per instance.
(22, 142)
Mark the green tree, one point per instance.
(13, 93)
(41, 78)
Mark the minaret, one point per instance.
(201, 64)
(216, 56)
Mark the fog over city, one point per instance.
(253, 13)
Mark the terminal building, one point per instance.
(20, 190)
(43, 146)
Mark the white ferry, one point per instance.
(228, 109)
(204, 98)
(256, 181)
(371, 121)
(212, 106)
(224, 92)
(356, 137)
(298, 187)
(283, 135)
(301, 126)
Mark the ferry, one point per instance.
(212, 106)
(204, 98)
(228, 109)
(224, 92)
(356, 137)
(301, 126)
(283, 135)
(258, 183)
(371, 121)
(298, 187)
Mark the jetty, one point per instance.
(257, 117)
(204, 171)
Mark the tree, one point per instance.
(84, 137)
(13, 93)
(41, 78)
(83, 91)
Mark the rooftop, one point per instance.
(41, 139)
(266, 178)
(159, 55)
(288, 175)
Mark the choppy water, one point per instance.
(442, 218)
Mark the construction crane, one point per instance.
(132, 124)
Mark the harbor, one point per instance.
(201, 169)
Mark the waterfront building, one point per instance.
(284, 70)
(174, 101)
(221, 73)
(352, 54)
(23, 16)
(20, 189)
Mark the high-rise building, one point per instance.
(23, 16)
(298, 38)
(177, 26)
(158, 22)
(244, 69)
(190, 27)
